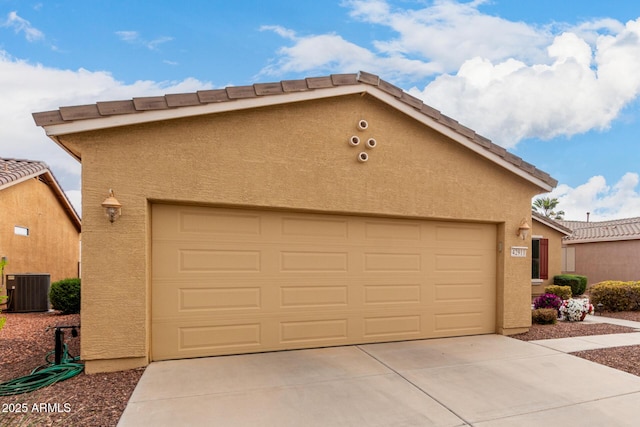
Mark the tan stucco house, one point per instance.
(304, 213)
(547, 260)
(39, 229)
(603, 250)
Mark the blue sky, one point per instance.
(555, 82)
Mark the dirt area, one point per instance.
(99, 400)
(84, 400)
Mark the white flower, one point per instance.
(573, 310)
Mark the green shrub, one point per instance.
(65, 296)
(544, 316)
(577, 283)
(616, 296)
(583, 283)
(563, 292)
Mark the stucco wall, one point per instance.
(52, 245)
(602, 261)
(555, 255)
(293, 157)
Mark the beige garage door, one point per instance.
(229, 281)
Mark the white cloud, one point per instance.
(448, 32)
(128, 36)
(21, 25)
(133, 37)
(283, 32)
(51, 88)
(584, 88)
(435, 39)
(326, 53)
(602, 201)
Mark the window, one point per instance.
(569, 259)
(21, 231)
(539, 258)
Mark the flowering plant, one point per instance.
(548, 301)
(575, 310)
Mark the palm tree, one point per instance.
(546, 205)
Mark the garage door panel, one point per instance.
(314, 331)
(388, 294)
(220, 222)
(317, 228)
(314, 261)
(460, 292)
(468, 323)
(396, 327)
(228, 281)
(314, 296)
(215, 299)
(392, 261)
(392, 232)
(193, 339)
(200, 224)
(456, 235)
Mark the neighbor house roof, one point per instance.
(102, 115)
(15, 171)
(603, 231)
(550, 223)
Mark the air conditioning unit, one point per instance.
(28, 292)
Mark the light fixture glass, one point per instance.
(523, 230)
(112, 207)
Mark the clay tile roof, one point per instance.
(603, 231)
(236, 93)
(12, 170)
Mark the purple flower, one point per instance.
(547, 301)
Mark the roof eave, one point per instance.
(551, 225)
(601, 240)
(107, 122)
(21, 179)
(64, 201)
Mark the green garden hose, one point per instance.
(44, 375)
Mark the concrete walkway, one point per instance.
(593, 342)
(487, 380)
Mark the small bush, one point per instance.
(563, 292)
(548, 301)
(65, 296)
(616, 295)
(577, 283)
(544, 316)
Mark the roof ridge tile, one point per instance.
(212, 95)
(150, 103)
(263, 89)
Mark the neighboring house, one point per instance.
(546, 251)
(39, 229)
(304, 213)
(603, 250)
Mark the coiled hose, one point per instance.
(44, 375)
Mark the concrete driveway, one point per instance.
(487, 380)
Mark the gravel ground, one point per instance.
(98, 400)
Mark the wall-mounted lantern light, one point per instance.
(112, 207)
(523, 230)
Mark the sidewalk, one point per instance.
(593, 342)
